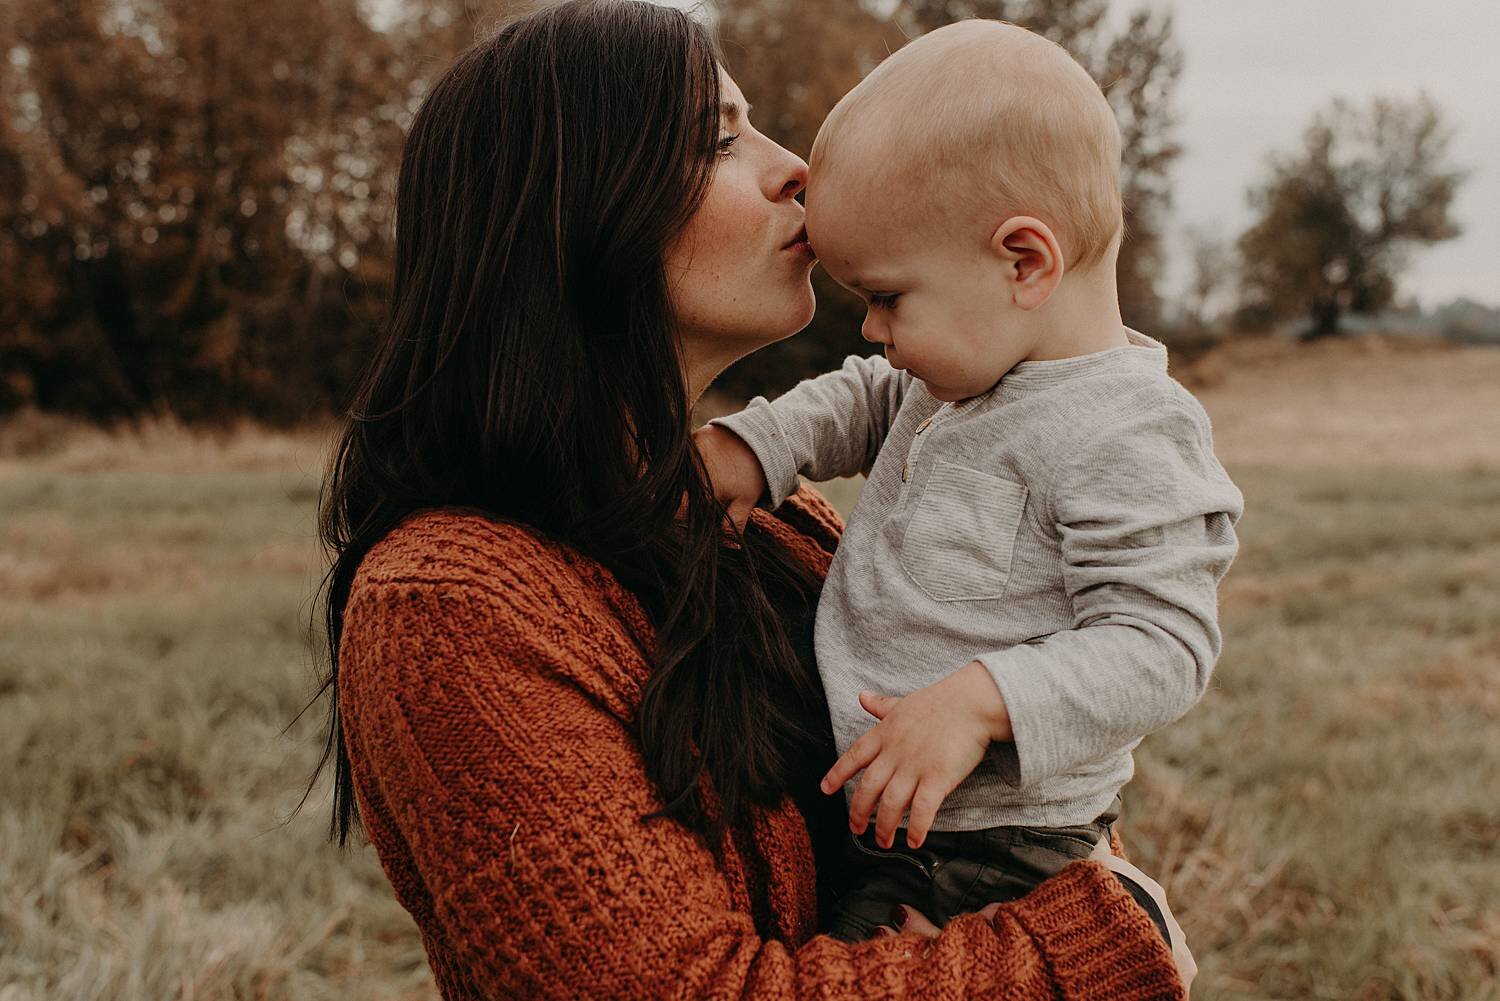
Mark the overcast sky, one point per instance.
(1256, 72)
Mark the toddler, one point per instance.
(1029, 578)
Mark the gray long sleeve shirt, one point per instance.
(1068, 529)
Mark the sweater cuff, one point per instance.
(757, 427)
(1096, 939)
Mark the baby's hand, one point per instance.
(738, 480)
(924, 745)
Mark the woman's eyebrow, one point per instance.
(732, 111)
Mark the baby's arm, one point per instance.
(823, 428)
(1146, 518)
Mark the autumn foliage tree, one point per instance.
(196, 198)
(1338, 217)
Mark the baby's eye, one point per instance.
(884, 300)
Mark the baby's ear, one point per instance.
(1032, 257)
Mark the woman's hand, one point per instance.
(914, 920)
(738, 480)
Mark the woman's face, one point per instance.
(740, 272)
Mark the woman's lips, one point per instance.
(799, 245)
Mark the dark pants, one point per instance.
(954, 872)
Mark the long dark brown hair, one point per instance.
(532, 370)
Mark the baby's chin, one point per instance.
(941, 393)
(947, 394)
(936, 392)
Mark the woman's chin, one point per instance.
(793, 318)
(808, 307)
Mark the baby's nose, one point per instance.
(874, 331)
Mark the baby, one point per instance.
(1030, 574)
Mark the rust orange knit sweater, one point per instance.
(488, 683)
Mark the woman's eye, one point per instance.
(727, 142)
(886, 300)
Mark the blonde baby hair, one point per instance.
(991, 121)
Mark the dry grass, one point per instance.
(1324, 816)
(1327, 819)
(153, 645)
(31, 442)
(1375, 404)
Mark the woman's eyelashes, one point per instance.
(725, 143)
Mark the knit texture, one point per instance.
(489, 680)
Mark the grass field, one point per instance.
(1327, 820)
(153, 645)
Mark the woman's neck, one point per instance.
(702, 364)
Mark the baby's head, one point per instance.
(955, 186)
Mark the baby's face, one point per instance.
(936, 301)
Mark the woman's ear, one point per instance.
(1032, 258)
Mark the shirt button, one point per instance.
(905, 471)
(924, 425)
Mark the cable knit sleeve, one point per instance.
(505, 794)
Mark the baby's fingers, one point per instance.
(924, 808)
(859, 755)
(893, 804)
(865, 797)
(877, 705)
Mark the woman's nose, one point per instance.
(796, 178)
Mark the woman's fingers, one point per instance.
(916, 921)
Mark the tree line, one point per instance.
(195, 199)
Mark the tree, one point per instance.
(1212, 274)
(796, 58)
(203, 186)
(1338, 218)
(196, 199)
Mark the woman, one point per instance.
(575, 719)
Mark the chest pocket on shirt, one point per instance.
(959, 542)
